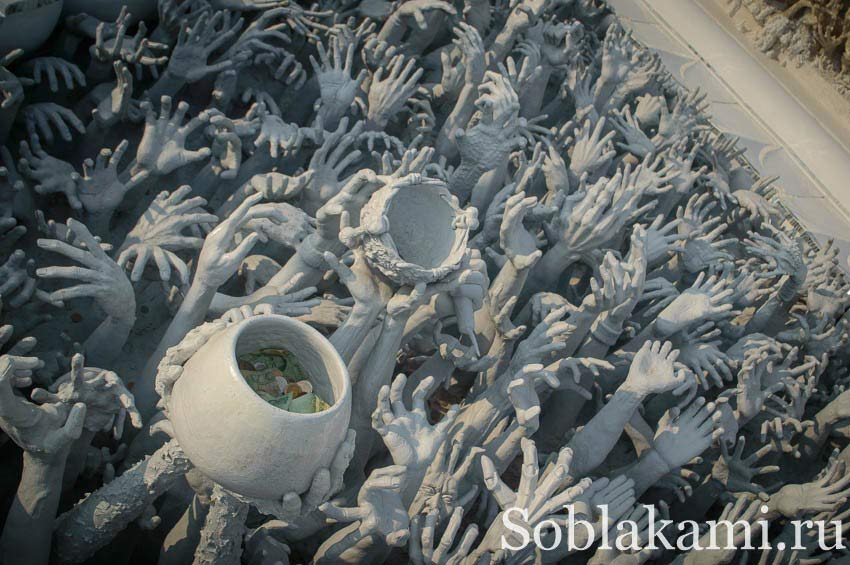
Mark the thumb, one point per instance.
(242, 250)
(73, 427)
(420, 20)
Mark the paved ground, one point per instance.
(781, 135)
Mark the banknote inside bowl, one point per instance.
(241, 441)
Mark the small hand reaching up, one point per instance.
(102, 279)
(163, 145)
(160, 233)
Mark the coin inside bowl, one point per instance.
(276, 376)
(310, 367)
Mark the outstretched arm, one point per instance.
(105, 282)
(94, 522)
(46, 434)
(652, 372)
(219, 259)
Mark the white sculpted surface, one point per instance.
(504, 244)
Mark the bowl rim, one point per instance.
(380, 250)
(327, 347)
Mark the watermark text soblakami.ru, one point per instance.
(627, 535)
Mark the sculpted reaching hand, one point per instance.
(490, 136)
(654, 371)
(589, 219)
(524, 14)
(118, 105)
(107, 400)
(112, 44)
(49, 173)
(195, 45)
(348, 200)
(45, 430)
(282, 138)
(707, 299)
(46, 433)
(450, 482)
(387, 94)
(737, 472)
(338, 88)
(163, 145)
(160, 232)
(826, 493)
(683, 434)
(615, 56)
(423, 528)
(336, 154)
(471, 50)
(221, 255)
(622, 286)
(538, 497)
(103, 279)
(17, 281)
(662, 240)
(497, 100)
(523, 390)
(278, 187)
(419, 9)
(379, 520)
(101, 189)
(754, 385)
(591, 150)
(703, 246)
(547, 338)
(410, 438)
(789, 412)
(51, 69)
(38, 119)
(705, 358)
(635, 141)
(783, 254)
(519, 245)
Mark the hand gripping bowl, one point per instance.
(241, 441)
(415, 232)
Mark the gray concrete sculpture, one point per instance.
(368, 277)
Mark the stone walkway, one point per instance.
(780, 135)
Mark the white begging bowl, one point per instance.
(415, 233)
(27, 23)
(241, 441)
(108, 10)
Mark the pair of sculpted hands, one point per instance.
(630, 297)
